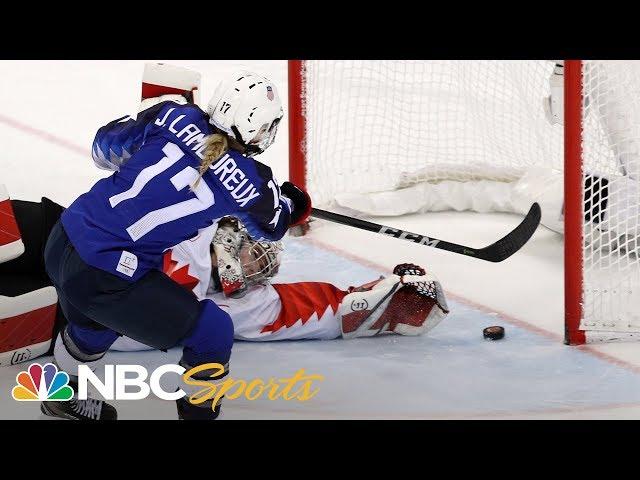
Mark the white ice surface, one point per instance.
(50, 113)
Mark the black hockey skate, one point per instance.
(75, 409)
(188, 411)
(90, 409)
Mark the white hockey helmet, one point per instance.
(242, 261)
(248, 108)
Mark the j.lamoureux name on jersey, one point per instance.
(153, 200)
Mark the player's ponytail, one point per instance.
(217, 145)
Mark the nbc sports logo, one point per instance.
(42, 383)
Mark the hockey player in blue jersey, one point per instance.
(177, 170)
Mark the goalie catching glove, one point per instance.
(409, 302)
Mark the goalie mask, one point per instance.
(242, 261)
(248, 108)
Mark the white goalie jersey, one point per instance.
(306, 310)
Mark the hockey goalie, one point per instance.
(238, 276)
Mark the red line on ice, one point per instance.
(44, 135)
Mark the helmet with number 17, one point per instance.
(247, 107)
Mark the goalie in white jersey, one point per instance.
(225, 265)
(238, 279)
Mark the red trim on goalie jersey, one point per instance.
(9, 231)
(301, 300)
(27, 329)
(179, 275)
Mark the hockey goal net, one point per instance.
(375, 136)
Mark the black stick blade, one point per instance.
(513, 241)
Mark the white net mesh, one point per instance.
(611, 154)
(378, 126)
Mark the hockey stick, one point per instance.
(496, 252)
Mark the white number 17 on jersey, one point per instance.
(184, 178)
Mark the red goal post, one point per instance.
(573, 213)
(297, 124)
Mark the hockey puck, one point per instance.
(493, 333)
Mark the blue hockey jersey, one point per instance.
(125, 222)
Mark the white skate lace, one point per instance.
(89, 408)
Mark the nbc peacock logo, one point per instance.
(41, 383)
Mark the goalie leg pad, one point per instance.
(11, 245)
(35, 221)
(163, 79)
(26, 325)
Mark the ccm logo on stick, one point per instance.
(422, 239)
